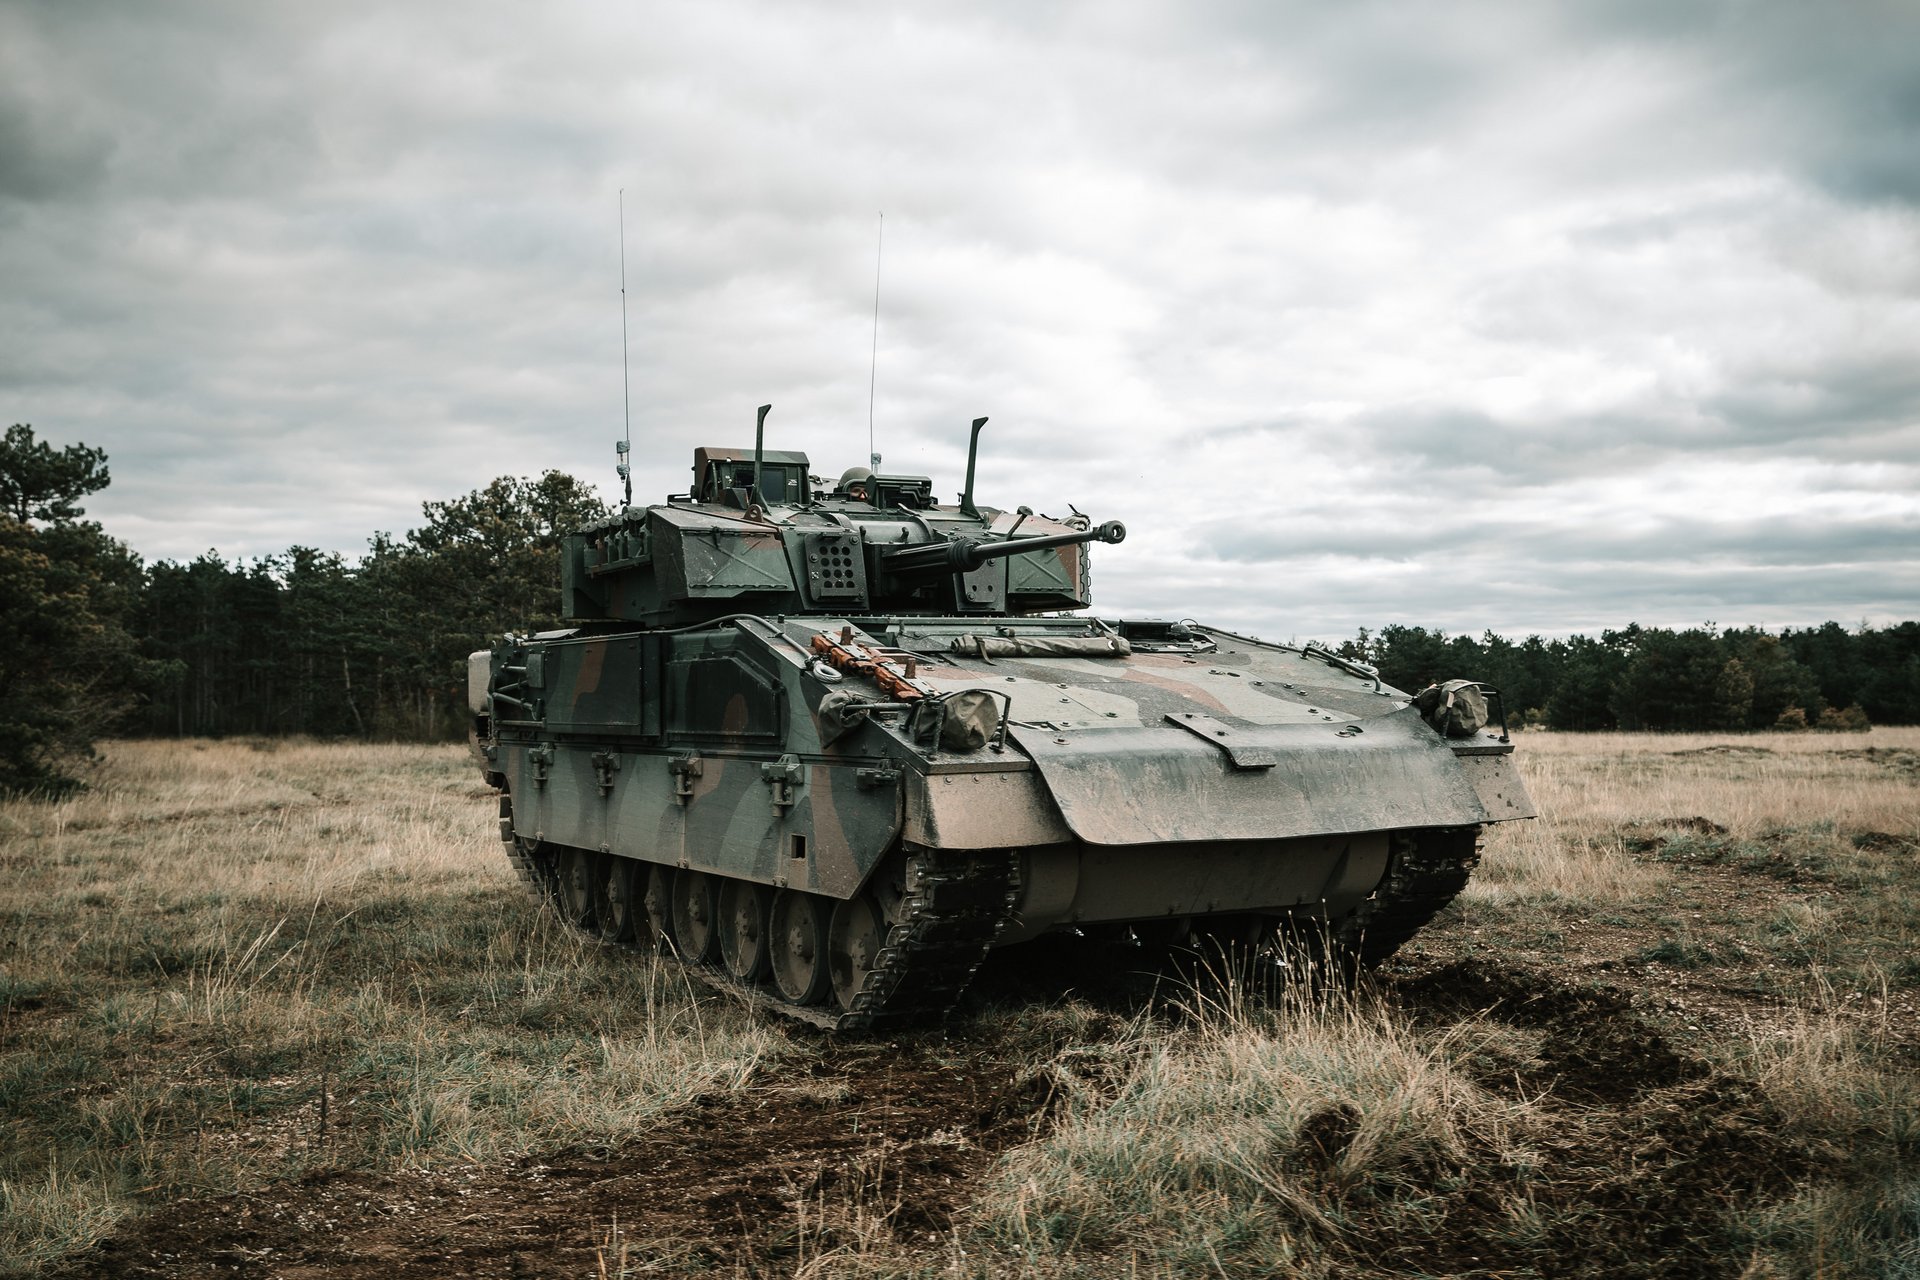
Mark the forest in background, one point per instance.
(94, 641)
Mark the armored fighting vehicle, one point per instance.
(829, 745)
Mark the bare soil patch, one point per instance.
(1655, 1142)
(741, 1182)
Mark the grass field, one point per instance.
(279, 1009)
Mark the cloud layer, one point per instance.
(1489, 316)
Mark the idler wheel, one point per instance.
(656, 903)
(855, 936)
(615, 890)
(575, 874)
(743, 929)
(695, 909)
(799, 953)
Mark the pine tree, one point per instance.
(69, 669)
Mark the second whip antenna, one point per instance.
(873, 368)
(625, 445)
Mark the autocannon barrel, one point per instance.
(961, 555)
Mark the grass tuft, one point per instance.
(47, 1216)
(1259, 1137)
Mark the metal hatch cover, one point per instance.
(1157, 784)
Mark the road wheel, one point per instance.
(743, 929)
(855, 937)
(575, 887)
(798, 933)
(695, 908)
(657, 905)
(614, 904)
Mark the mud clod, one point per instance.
(1653, 1142)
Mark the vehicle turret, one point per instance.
(755, 533)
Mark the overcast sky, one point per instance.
(1530, 317)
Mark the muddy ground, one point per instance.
(751, 1183)
(735, 1183)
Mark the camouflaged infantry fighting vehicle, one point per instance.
(832, 746)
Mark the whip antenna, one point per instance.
(873, 369)
(624, 446)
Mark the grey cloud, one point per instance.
(1513, 598)
(42, 160)
(1846, 79)
(1239, 274)
(1761, 541)
(1467, 453)
(1852, 408)
(1829, 90)
(1845, 397)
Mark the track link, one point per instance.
(524, 856)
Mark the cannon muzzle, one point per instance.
(963, 555)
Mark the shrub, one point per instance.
(1852, 720)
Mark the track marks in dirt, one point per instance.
(1596, 1047)
(1649, 1143)
(746, 1181)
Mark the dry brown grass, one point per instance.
(1595, 791)
(261, 819)
(1671, 1025)
(1247, 1136)
(1745, 782)
(228, 962)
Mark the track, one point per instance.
(1428, 870)
(953, 904)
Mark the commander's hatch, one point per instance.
(912, 492)
(725, 476)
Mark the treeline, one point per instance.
(306, 642)
(1702, 678)
(93, 641)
